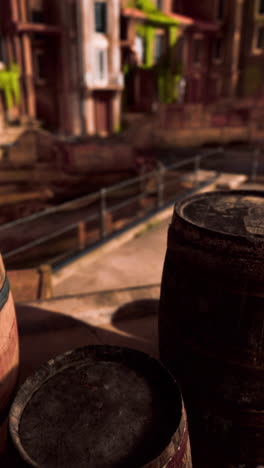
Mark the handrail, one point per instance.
(96, 195)
(49, 237)
(101, 197)
(48, 211)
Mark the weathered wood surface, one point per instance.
(212, 319)
(9, 353)
(127, 391)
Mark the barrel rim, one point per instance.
(179, 207)
(62, 361)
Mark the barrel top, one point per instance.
(99, 407)
(239, 213)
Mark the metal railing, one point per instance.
(129, 200)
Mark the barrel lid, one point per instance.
(237, 212)
(98, 406)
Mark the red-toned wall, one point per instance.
(204, 9)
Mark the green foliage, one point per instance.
(154, 15)
(9, 84)
(167, 85)
(173, 35)
(126, 68)
(147, 32)
(168, 75)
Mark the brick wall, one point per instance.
(194, 124)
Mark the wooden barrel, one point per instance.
(103, 407)
(211, 323)
(9, 353)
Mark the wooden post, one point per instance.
(81, 235)
(102, 212)
(45, 283)
(28, 66)
(29, 85)
(14, 10)
(23, 11)
(160, 191)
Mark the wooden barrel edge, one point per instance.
(177, 451)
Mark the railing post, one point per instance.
(160, 191)
(102, 212)
(255, 164)
(81, 235)
(197, 164)
(45, 282)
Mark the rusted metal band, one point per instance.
(178, 460)
(4, 293)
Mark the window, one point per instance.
(178, 51)
(2, 53)
(197, 50)
(123, 29)
(158, 47)
(261, 7)
(37, 16)
(140, 48)
(101, 75)
(100, 13)
(40, 65)
(36, 11)
(220, 9)
(260, 38)
(218, 46)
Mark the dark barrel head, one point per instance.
(237, 212)
(99, 406)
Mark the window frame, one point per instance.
(197, 38)
(35, 10)
(160, 35)
(100, 80)
(220, 10)
(219, 59)
(143, 44)
(257, 8)
(255, 49)
(3, 54)
(101, 2)
(38, 79)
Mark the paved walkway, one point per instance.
(135, 263)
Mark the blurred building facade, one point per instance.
(220, 46)
(79, 60)
(234, 53)
(68, 55)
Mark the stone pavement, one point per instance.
(138, 262)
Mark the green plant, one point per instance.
(153, 14)
(167, 73)
(147, 32)
(9, 84)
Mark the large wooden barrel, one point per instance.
(102, 407)
(9, 353)
(211, 323)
